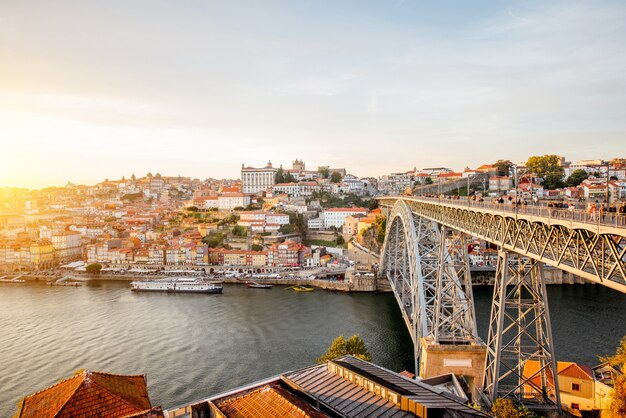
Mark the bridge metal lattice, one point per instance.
(594, 252)
(520, 361)
(519, 332)
(428, 272)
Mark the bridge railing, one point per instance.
(609, 219)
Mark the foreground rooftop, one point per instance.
(344, 387)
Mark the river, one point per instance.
(191, 346)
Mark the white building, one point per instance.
(257, 180)
(316, 223)
(396, 183)
(292, 189)
(231, 201)
(250, 217)
(336, 217)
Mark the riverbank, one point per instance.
(360, 284)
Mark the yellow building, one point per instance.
(578, 386)
(42, 254)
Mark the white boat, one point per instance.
(176, 285)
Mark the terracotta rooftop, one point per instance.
(89, 394)
(267, 401)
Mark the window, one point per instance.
(576, 387)
(575, 406)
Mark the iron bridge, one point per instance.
(425, 258)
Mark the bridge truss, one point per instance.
(427, 268)
(425, 259)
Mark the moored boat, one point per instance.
(256, 285)
(302, 288)
(175, 285)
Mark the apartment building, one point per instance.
(336, 217)
(68, 245)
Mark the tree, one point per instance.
(192, 208)
(577, 177)
(287, 229)
(340, 240)
(335, 177)
(240, 231)
(289, 178)
(505, 408)
(93, 268)
(324, 173)
(256, 247)
(279, 177)
(617, 407)
(214, 239)
(503, 167)
(428, 180)
(548, 167)
(381, 226)
(354, 346)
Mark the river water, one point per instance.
(191, 346)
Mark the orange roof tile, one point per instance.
(89, 393)
(267, 401)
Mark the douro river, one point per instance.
(191, 346)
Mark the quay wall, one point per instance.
(348, 285)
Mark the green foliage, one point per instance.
(256, 247)
(354, 346)
(229, 220)
(340, 241)
(282, 177)
(240, 231)
(287, 229)
(214, 239)
(428, 180)
(381, 228)
(298, 222)
(503, 167)
(324, 173)
(505, 408)
(192, 209)
(617, 407)
(348, 200)
(548, 167)
(577, 177)
(93, 268)
(335, 177)
(132, 196)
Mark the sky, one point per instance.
(103, 89)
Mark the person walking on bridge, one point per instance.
(592, 212)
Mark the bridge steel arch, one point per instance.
(429, 280)
(519, 327)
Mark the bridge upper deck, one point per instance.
(589, 245)
(599, 223)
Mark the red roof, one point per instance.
(267, 401)
(89, 394)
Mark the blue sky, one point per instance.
(103, 89)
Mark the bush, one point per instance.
(354, 346)
(240, 231)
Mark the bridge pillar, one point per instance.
(463, 360)
(520, 361)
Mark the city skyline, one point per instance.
(95, 91)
